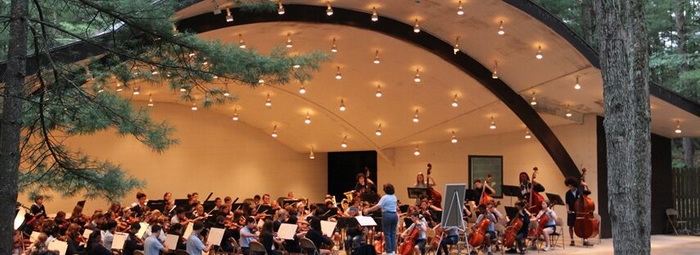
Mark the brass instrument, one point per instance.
(347, 201)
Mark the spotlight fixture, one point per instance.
(376, 57)
(494, 74)
(241, 43)
(378, 132)
(182, 89)
(280, 8)
(460, 9)
(454, 101)
(416, 27)
(226, 93)
(261, 81)
(334, 48)
(533, 101)
(329, 10)
(274, 132)
(454, 137)
(342, 105)
(194, 107)
(415, 117)
(311, 153)
(538, 55)
(456, 47)
(375, 16)
(229, 17)
(119, 87)
(568, 111)
(379, 91)
(302, 89)
(500, 29)
(493, 123)
(289, 40)
(307, 120)
(216, 10)
(150, 100)
(678, 127)
(416, 151)
(344, 144)
(137, 90)
(235, 114)
(527, 134)
(578, 85)
(416, 77)
(268, 101)
(338, 76)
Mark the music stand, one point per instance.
(417, 192)
(156, 204)
(512, 212)
(237, 206)
(555, 199)
(208, 205)
(81, 203)
(404, 208)
(511, 191)
(289, 202)
(266, 209)
(370, 197)
(470, 195)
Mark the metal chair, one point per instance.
(675, 222)
(307, 245)
(257, 248)
(558, 234)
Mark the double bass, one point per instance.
(586, 225)
(536, 198)
(485, 198)
(432, 193)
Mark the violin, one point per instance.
(432, 193)
(536, 198)
(485, 198)
(586, 225)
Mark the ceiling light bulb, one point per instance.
(150, 100)
(415, 117)
(539, 52)
(378, 132)
(375, 16)
(268, 101)
(194, 107)
(416, 77)
(460, 9)
(137, 90)
(344, 144)
(500, 29)
(527, 134)
(329, 10)
(154, 70)
(235, 114)
(454, 137)
(493, 124)
(280, 8)
(338, 76)
(494, 74)
(311, 153)
(241, 43)
(183, 89)
(376, 57)
(678, 127)
(302, 90)
(533, 101)
(229, 17)
(274, 131)
(226, 93)
(379, 91)
(119, 87)
(416, 151)
(307, 120)
(334, 48)
(578, 85)
(416, 27)
(261, 81)
(289, 40)
(454, 101)
(342, 105)
(456, 47)
(568, 111)
(192, 54)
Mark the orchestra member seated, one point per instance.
(550, 225)
(317, 237)
(152, 245)
(195, 246)
(479, 187)
(268, 238)
(491, 229)
(132, 243)
(353, 232)
(452, 237)
(248, 234)
(524, 215)
(419, 223)
(139, 207)
(94, 245)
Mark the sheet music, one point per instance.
(366, 221)
(118, 241)
(34, 236)
(59, 246)
(86, 234)
(142, 230)
(287, 231)
(327, 227)
(215, 236)
(261, 223)
(19, 218)
(171, 242)
(188, 231)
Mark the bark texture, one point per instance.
(624, 62)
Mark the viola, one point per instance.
(536, 198)
(586, 225)
(512, 232)
(432, 193)
(406, 247)
(485, 197)
(477, 236)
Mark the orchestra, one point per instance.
(399, 229)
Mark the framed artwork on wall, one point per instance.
(479, 167)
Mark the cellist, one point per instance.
(524, 215)
(421, 225)
(546, 224)
(491, 229)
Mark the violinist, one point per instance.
(78, 217)
(73, 239)
(180, 217)
(421, 225)
(169, 209)
(139, 208)
(268, 238)
(199, 213)
(225, 244)
(192, 200)
(152, 245)
(353, 233)
(248, 234)
(61, 222)
(485, 213)
(167, 196)
(195, 246)
(317, 237)
(572, 195)
(526, 186)
(550, 225)
(429, 211)
(132, 242)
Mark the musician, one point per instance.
(485, 213)
(192, 200)
(78, 217)
(364, 185)
(317, 237)
(451, 238)
(575, 191)
(248, 234)
(180, 217)
(421, 182)
(479, 187)
(195, 246)
(290, 196)
(256, 200)
(268, 238)
(94, 245)
(428, 211)
(169, 209)
(524, 215)
(167, 196)
(132, 242)
(390, 219)
(353, 232)
(139, 208)
(526, 186)
(152, 244)
(73, 239)
(96, 221)
(421, 225)
(61, 222)
(108, 229)
(550, 225)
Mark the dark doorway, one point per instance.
(343, 167)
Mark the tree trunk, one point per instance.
(624, 62)
(686, 87)
(588, 21)
(10, 121)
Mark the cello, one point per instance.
(485, 198)
(536, 198)
(512, 232)
(477, 236)
(432, 193)
(586, 225)
(406, 248)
